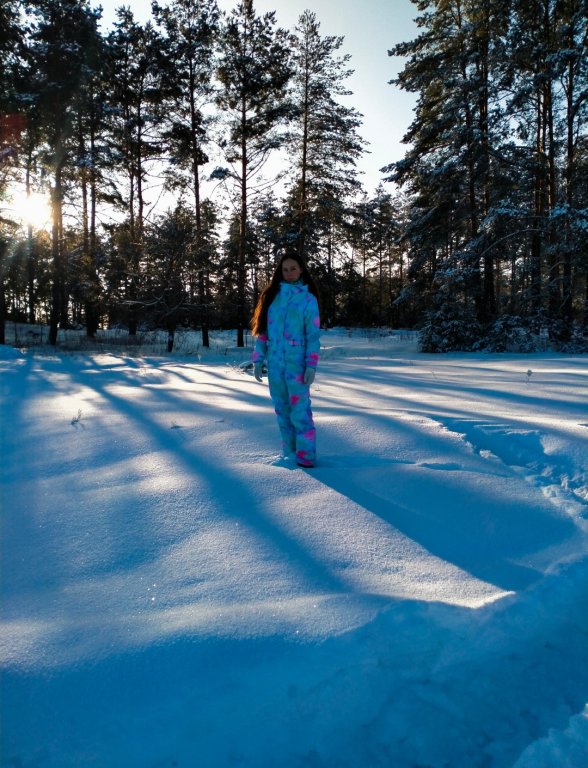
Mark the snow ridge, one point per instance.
(538, 457)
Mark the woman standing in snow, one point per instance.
(286, 323)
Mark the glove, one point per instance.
(309, 374)
(257, 371)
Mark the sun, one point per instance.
(31, 210)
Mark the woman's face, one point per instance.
(291, 270)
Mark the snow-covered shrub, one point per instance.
(451, 328)
(508, 333)
(578, 343)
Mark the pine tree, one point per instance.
(448, 169)
(63, 41)
(87, 174)
(135, 143)
(267, 238)
(324, 143)
(254, 70)
(169, 244)
(383, 234)
(11, 61)
(187, 61)
(573, 75)
(488, 172)
(548, 80)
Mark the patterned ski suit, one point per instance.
(292, 344)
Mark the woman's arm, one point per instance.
(312, 328)
(260, 348)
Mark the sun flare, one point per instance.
(31, 210)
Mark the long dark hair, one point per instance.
(269, 293)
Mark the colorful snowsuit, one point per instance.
(290, 345)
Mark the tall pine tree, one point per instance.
(324, 144)
(254, 70)
(11, 121)
(135, 141)
(187, 61)
(63, 42)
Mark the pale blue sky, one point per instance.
(370, 28)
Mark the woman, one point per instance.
(286, 323)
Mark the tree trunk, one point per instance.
(554, 258)
(203, 308)
(539, 199)
(302, 214)
(199, 238)
(242, 233)
(567, 287)
(489, 266)
(31, 271)
(2, 292)
(56, 288)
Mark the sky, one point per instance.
(370, 29)
(173, 594)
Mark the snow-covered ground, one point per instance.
(174, 596)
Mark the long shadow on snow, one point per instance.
(223, 484)
(120, 545)
(445, 511)
(492, 398)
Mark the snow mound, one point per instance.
(560, 749)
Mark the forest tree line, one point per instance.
(183, 155)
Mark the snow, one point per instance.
(173, 594)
